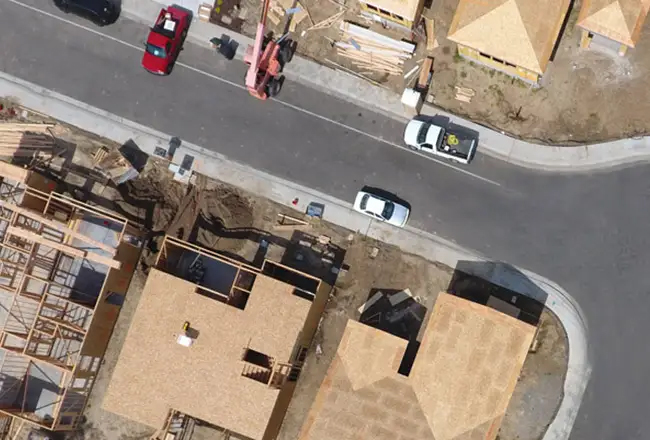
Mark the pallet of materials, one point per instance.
(373, 51)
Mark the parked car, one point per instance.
(381, 209)
(440, 141)
(165, 40)
(101, 12)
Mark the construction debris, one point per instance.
(289, 223)
(328, 22)
(425, 75)
(464, 94)
(373, 51)
(114, 166)
(432, 43)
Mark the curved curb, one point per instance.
(411, 240)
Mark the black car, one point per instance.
(102, 12)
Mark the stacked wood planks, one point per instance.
(373, 51)
(25, 140)
(464, 94)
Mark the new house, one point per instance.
(517, 37)
(615, 24)
(218, 340)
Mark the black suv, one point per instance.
(102, 12)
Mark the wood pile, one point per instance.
(464, 94)
(281, 8)
(373, 51)
(432, 43)
(26, 140)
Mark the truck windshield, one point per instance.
(156, 51)
(422, 134)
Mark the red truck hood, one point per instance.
(151, 62)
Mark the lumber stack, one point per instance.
(25, 140)
(464, 94)
(373, 51)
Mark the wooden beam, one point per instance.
(6, 126)
(68, 250)
(14, 172)
(58, 226)
(17, 231)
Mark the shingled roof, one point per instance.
(619, 20)
(521, 32)
(459, 387)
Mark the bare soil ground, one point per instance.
(238, 224)
(585, 96)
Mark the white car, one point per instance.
(381, 209)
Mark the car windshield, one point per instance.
(156, 51)
(364, 201)
(422, 134)
(388, 210)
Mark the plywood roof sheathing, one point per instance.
(456, 389)
(521, 32)
(619, 20)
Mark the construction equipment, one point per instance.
(266, 59)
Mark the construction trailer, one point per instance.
(65, 267)
(218, 340)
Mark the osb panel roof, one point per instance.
(620, 20)
(522, 32)
(458, 389)
(155, 374)
(407, 9)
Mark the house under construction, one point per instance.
(64, 269)
(218, 340)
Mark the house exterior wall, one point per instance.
(502, 66)
(408, 22)
(588, 38)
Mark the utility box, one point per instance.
(412, 102)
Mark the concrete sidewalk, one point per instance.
(360, 92)
(340, 212)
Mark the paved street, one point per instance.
(586, 232)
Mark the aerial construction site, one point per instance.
(137, 304)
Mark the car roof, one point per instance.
(90, 3)
(375, 204)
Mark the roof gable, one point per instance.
(368, 355)
(464, 373)
(521, 32)
(619, 20)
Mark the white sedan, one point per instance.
(381, 209)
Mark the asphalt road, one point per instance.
(586, 232)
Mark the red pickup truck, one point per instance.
(165, 40)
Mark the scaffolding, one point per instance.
(63, 267)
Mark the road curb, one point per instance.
(411, 240)
(563, 159)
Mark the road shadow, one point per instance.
(386, 195)
(477, 281)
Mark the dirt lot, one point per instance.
(238, 224)
(585, 95)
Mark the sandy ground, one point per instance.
(585, 95)
(224, 218)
